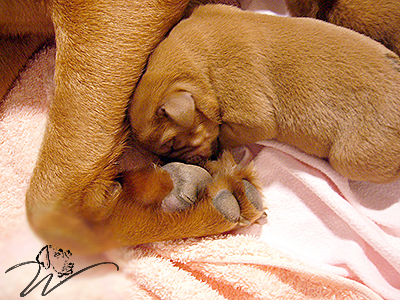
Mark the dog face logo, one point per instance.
(56, 258)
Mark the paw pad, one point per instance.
(188, 181)
(226, 204)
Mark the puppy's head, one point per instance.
(174, 111)
(166, 119)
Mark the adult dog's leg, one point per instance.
(14, 53)
(74, 199)
(102, 48)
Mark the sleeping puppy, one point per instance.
(378, 19)
(238, 77)
(91, 189)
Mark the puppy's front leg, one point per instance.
(218, 201)
(102, 47)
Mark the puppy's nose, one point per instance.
(166, 148)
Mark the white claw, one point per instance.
(243, 222)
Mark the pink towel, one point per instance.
(325, 237)
(349, 228)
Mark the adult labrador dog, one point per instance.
(91, 189)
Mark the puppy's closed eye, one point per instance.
(161, 112)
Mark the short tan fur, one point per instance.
(327, 90)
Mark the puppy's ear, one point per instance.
(180, 108)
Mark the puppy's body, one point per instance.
(245, 77)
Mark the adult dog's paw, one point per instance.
(189, 182)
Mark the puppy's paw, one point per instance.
(189, 181)
(219, 199)
(234, 191)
